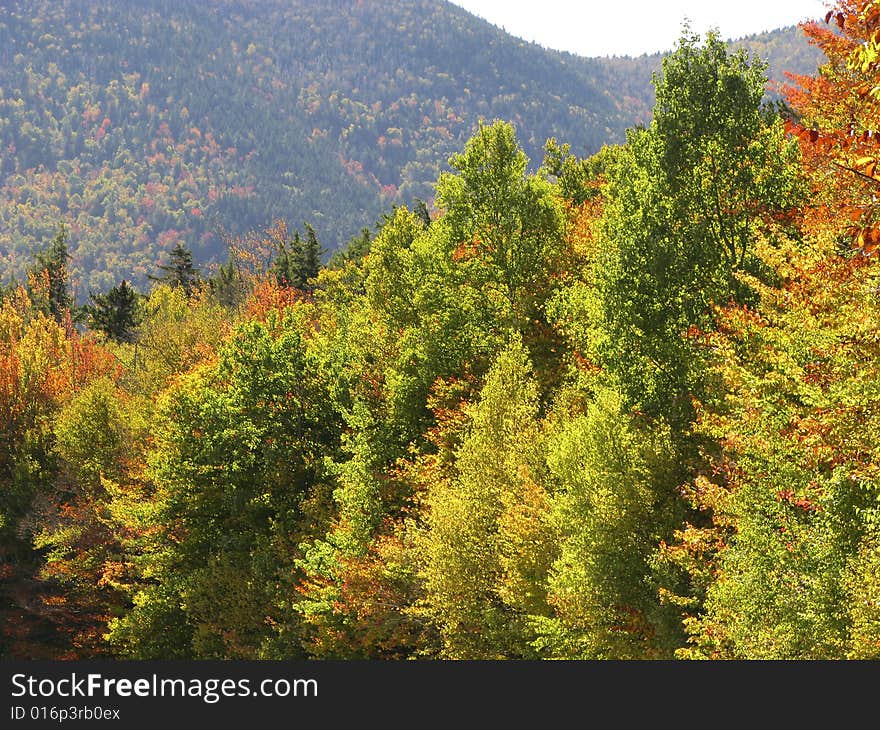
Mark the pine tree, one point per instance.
(179, 271)
(227, 286)
(115, 313)
(297, 261)
(309, 258)
(51, 267)
(285, 267)
(357, 247)
(420, 208)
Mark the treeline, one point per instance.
(150, 123)
(620, 407)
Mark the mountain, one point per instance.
(149, 122)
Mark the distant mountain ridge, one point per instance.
(145, 123)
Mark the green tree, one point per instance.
(238, 468)
(297, 260)
(793, 481)
(482, 580)
(613, 503)
(179, 271)
(504, 227)
(285, 266)
(228, 286)
(685, 199)
(175, 334)
(50, 275)
(309, 262)
(116, 313)
(98, 442)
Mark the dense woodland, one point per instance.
(614, 406)
(148, 123)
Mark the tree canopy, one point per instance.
(613, 407)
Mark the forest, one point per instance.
(613, 406)
(148, 123)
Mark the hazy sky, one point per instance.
(606, 27)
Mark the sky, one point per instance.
(608, 28)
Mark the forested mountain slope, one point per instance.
(147, 123)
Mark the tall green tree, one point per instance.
(614, 479)
(50, 286)
(228, 285)
(685, 200)
(504, 226)
(285, 265)
(116, 313)
(309, 258)
(179, 271)
(482, 580)
(238, 466)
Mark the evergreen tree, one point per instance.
(115, 313)
(310, 253)
(297, 261)
(49, 286)
(227, 285)
(286, 264)
(357, 247)
(179, 271)
(420, 208)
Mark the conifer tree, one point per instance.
(227, 285)
(51, 267)
(310, 253)
(115, 313)
(286, 265)
(179, 271)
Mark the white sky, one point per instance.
(606, 27)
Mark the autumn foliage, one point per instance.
(616, 408)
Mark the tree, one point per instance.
(504, 227)
(49, 277)
(179, 271)
(175, 334)
(43, 365)
(836, 117)
(99, 436)
(792, 485)
(788, 564)
(483, 580)
(115, 313)
(297, 261)
(285, 266)
(420, 208)
(309, 262)
(684, 200)
(239, 448)
(614, 478)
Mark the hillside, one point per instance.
(149, 122)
